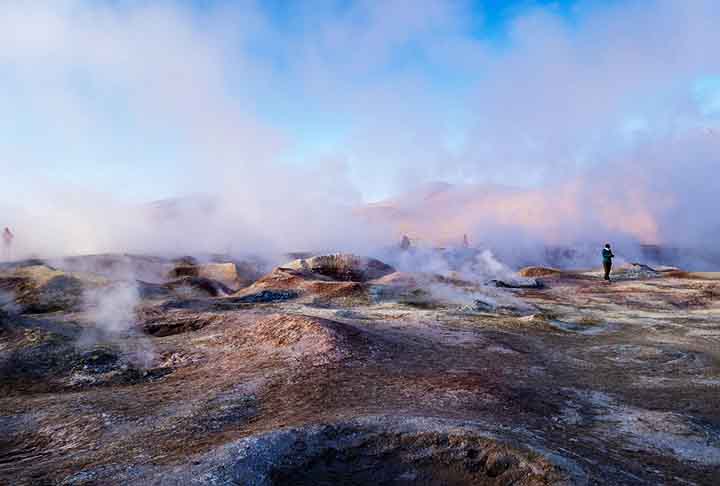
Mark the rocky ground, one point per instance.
(339, 370)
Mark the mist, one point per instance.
(164, 129)
(112, 310)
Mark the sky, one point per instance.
(347, 102)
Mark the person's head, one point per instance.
(607, 245)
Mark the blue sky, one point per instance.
(160, 99)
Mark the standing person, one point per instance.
(7, 242)
(607, 256)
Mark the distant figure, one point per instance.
(466, 242)
(607, 256)
(405, 243)
(7, 242)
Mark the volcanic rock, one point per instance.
(342, 267)
(198, 287)
(600, 384)
(636, 271)
(267, 296)
(340, 277)
(40, 288)
(117, 267)
(375, 450)
(319, 341)
(31, 262)
(226, 273)
(97, 361)
(526, 284)
(160, 322)
(534, 272)
(185, 261)
(184, 288)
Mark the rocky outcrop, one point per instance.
(184, 288)
(341, 267)
(311, 339)
(635, 271)
(324, 278)
(158, 322)
(198, 287)
(518, 284)
(230, 274)
(117, 267)
(535, 272)
(376, 450)
(40, 288)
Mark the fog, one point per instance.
(160, 128)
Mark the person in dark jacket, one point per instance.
(607, 256)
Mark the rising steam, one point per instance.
(112, 310)
(601, 126)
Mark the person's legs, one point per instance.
(606, 267)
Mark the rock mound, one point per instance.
(319, 341)
(229, 274)
(159, 322)
(324, 278)
(11, 266)
(266, 297)
(526, 283)
(403, 279)
(40, 288)
(635, 271)
(185, 260)
(117, 266)
(198, 287)
(535, 272)
(342, 267)
(184, 288)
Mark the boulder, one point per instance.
(342, 267)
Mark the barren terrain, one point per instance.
(339, 370)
